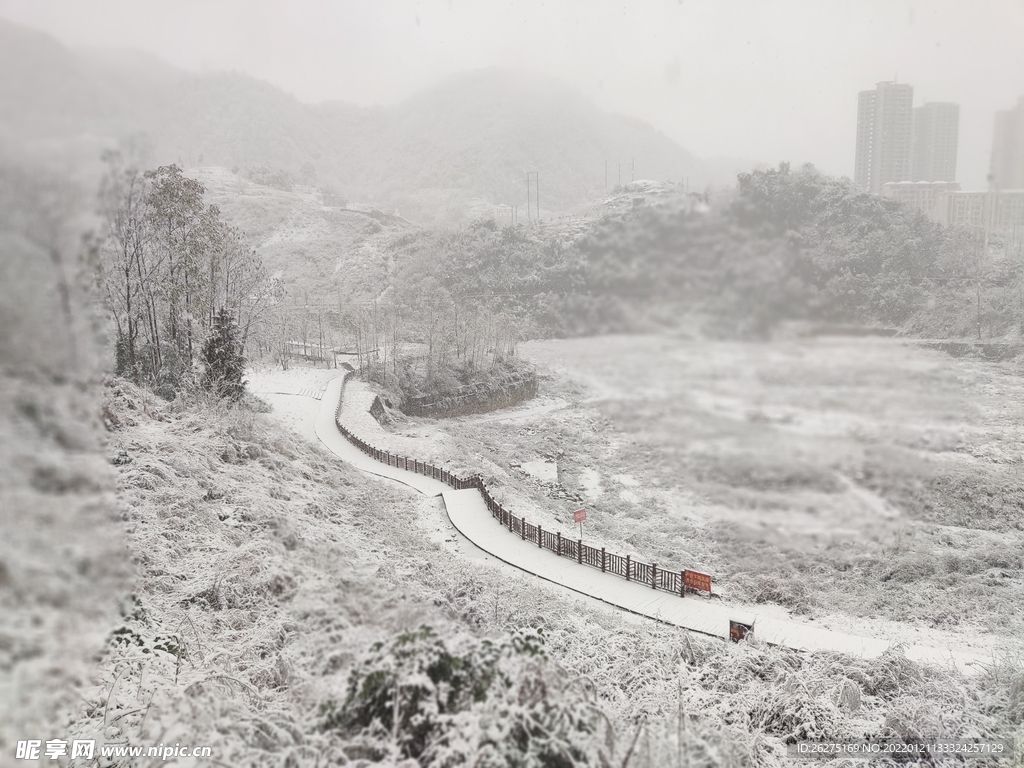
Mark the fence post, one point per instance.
(682, 585)
(559, 543)
(627, 567)
(579, 551)
(540, 536)
(602, 559)
(510, 525)
(522, 529)
(654, 576)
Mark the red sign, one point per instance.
(738, 630)
(697, 580)
(579, 515)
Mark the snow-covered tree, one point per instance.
(222, 357)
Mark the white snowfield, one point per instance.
(467, 511)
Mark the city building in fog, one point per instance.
(999, 212)
(885, 121)
(1007, 166)
(936, 130)
(929, 197)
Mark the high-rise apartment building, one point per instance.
(884, 136)
(936, 130)
(1007, 167)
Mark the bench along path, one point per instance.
(468, 513)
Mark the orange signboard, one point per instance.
(697, 580)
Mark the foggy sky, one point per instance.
(763, 81)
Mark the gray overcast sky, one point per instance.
(766, 81)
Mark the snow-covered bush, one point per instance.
(486, 704)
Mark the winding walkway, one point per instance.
(468, 513)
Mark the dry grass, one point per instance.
(252, 590)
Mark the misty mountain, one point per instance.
(466, 143)
(482, 131)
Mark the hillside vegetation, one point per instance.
(786, 246)
(62, 556)
(277, 608)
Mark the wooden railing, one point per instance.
(650, 574)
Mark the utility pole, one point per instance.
(978, 249)
(988, 211)
(535, 177)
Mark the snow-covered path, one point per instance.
(468, 513)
